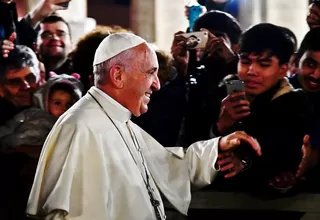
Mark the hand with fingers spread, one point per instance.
(310, 157)
(219, 48)
(233, 108)
(45, 8)
(180, 53)
(8, 45)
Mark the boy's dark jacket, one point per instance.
(278, 120)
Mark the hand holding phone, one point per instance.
(236, 86)
(194, 40)
(234, 107)
(218, 47)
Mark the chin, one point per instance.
(143, 110)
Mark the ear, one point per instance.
(235, 48)
(284, 70)
(116, 76)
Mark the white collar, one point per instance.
(112, 107)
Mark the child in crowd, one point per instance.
(31, 126)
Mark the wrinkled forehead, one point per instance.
(148, 56)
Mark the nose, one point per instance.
(316, 73)
(25, 85)
(156, 83)
(55, 36)
(252, 70)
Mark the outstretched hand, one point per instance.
(310, 157)
(288, 179)
(8, 45)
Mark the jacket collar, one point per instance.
(285, 87)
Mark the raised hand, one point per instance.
(8, 45)
(180, 53)
(45, 8)
(217, 46)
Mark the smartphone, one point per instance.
(64, 4)
(194, 40)
(233, 86)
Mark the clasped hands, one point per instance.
(227, 160)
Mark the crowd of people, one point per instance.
(92, 131)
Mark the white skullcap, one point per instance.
(115, 44)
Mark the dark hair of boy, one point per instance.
(266, 37)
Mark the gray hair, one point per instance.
(19, 58)
(101, 70)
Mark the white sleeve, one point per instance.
(201, 158)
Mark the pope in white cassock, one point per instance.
(97, 164)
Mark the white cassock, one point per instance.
(86, 170)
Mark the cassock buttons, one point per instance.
(155, 203)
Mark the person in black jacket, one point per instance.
(273, 112)
(308, 79)
(204, 70)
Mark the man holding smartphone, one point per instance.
(204, 68)
(273, 112)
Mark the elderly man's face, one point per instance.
(19, 86)
(141, 79)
